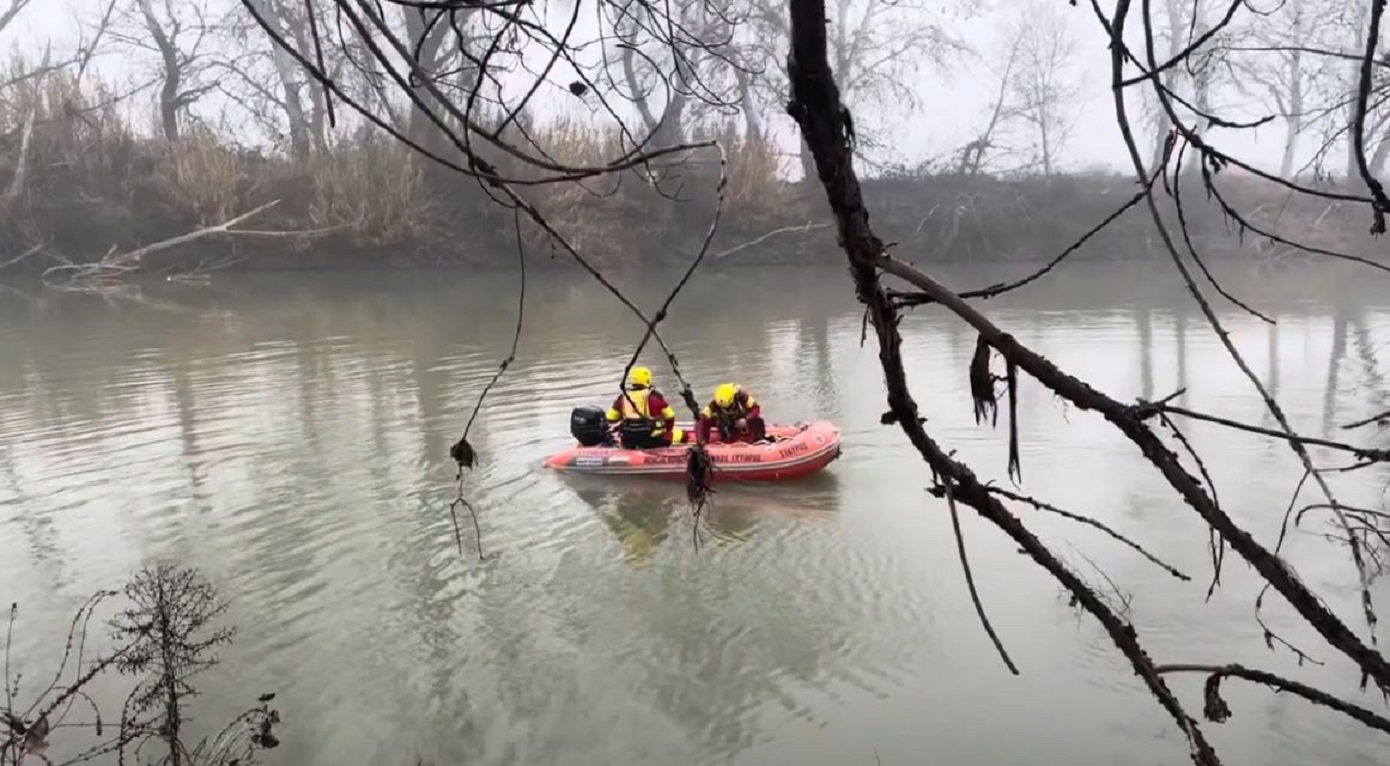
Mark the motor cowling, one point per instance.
(588, 426)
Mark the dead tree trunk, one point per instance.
(169, 101)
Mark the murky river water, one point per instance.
(288, 435)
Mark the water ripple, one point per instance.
(296, 448)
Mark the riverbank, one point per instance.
(77, 186)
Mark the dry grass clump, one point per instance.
(375, 188)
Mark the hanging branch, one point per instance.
(816, 107)
(1118, 52)
(1040, 505)
(462, 452)
(1216, 543)
(687, 394)
(907, 299)
(970, 580)
(982, 384)
(1015, 470)
(1130, 422)
(1373, 454)
(1192, 248)
(1218, 711)
(699, 467)
(817, 111)
(385, 47)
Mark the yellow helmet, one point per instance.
(724, 395)
(640, 377)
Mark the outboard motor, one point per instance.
(589, 427)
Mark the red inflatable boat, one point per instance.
(796, 451)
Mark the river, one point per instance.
(288, 435)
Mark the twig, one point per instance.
(1121, 595)
(22, 256)
(808, 226)
(1368, 453)
(453, 514)
(1316, 696)
(686, 392)
(1284, 527)
(516, 332)
(1246, 224)
(1192, 248)
(918, 299)
(1376, 418)
(1218, 545)
(1042, 506)
(1269, 635)
(1298, 517)
(699, 468)
(462, 452)
(970, 579)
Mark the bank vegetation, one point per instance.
(81, 181)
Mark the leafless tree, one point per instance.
(878, 48)
(1330, 53)
(164, 634)
(1351, 19)
(179, 34)
(705, 72)
(1043, 86)
(1190, 82)
(980, 151)
(302, 104)
(267, 85)
(1269, 57)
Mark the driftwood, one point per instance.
(116, 265)
(21, 256)
(808, 226)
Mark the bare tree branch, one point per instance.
(1217, 710)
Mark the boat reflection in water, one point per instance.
(643, 512)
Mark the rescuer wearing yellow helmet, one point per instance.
(644, 418)
(735, 413)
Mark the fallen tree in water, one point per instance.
(115, 266)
